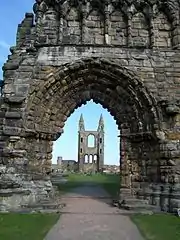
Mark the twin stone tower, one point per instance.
(91, 153)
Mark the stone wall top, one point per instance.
(138, 24)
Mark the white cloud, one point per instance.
(4, 44)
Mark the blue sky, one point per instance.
(11, 14)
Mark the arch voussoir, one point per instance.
(94, 74)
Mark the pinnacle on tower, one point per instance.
(81, 118)
(101, 123)
(101, 120)
(81, 123)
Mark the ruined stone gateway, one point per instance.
(122, 54)
(91, 153)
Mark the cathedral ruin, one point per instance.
(91, 158)
(123, 54)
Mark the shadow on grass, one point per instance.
(104, 187)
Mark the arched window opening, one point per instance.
(81, 150)
(86, 159)
(95, 158)
(162, 30)
(140, 30)
(90, 159)
(91, 141)
(100, 140)
(71, 19)
(100, 151)
(118, 26)
(81, 140)
(96, 31)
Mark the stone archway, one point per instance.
(54, 96)
(47, 78)
(51, 102)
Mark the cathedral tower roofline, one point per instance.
(81, 118)
(81, 123)
(101, 123)
(101, 120)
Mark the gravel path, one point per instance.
(88, 218)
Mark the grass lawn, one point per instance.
(111, 183)
(26, 226)
(158, 226)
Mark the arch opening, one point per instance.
(91, 141)
(117, 89)
(95, 158)
(86, 159)
(103, 127)
(91, 159)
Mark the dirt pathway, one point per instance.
(88, 216)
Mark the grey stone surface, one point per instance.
(86, 218)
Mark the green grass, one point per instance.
(26, 226)
(158, 226)
(111, 183)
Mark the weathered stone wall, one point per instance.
(158, 69)
(116, 23)
(122, 54)
(71, 27)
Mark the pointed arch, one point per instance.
(162, 30)
(72, 27)
(86, 159)
(91, 142)
(95, 158)
(91, 159)
(118, 29)
(95, 33)
(114, 86)
(105, 82)
(140, 30)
